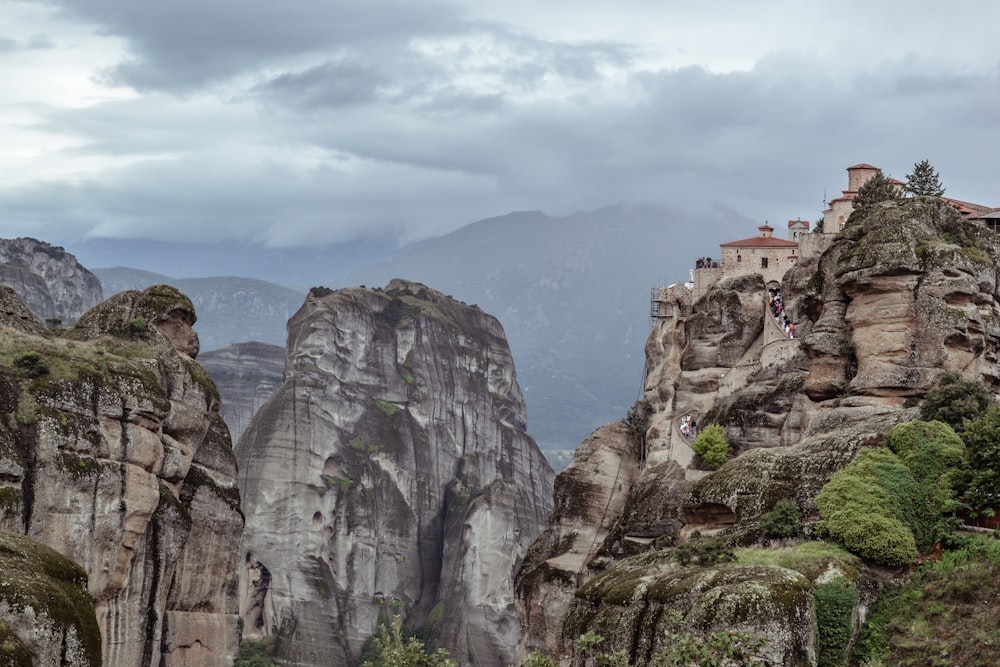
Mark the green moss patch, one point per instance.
(33, 575)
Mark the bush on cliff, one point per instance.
(395, 649)
(862, 504)
(955, 400)
(982, 483)
(784, 520)
(711, 446)
(935, 456)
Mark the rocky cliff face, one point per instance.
(897, 299)
(391, 473)
(113, 453)
(48, 279)
(247, 375)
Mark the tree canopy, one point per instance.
(955, 400)
(877, 189)
(924, 181)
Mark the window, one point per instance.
(763, 262)
(739, 259)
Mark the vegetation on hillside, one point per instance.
(946, 614)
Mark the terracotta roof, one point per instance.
(863, 165)
(760, 242)
(967, 209)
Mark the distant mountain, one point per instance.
(297, 268)
(573, 294)
(230, 310)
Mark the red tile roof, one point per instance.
(760, 242)
(863, 165)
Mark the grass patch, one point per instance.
(946, 613)
(796, 557)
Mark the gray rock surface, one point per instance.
(48, 279)
(391, 473)
(247, 375)
(113, 453)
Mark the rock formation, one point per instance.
(46, 615)
(897, 299)
(48, 279)
(113, 453)
(391, 473)
(247, 375)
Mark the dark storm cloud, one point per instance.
(185, 44)
(769, 142)
(323, 123)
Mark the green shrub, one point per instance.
(935, 456)
(981, 489)
(862, 507)
(955, 400)
(711, 445)
(834, 603)
(137, 326)
(904, 439)
(784, 520)
(31, 365)
(393, 648)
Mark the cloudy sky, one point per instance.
(312, 121)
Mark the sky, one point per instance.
(307, 122)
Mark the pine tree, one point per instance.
(924, 180)
(876, 190)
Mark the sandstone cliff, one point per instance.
(113, 453)
(247, 375)
(896, 299)
(48, 279)
(391, 473)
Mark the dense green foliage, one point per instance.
(711, 445)
(982, 482)
(834, 602)
(888, 504)
(784, 520)
(395, 649)
(862, 506)
(954, 400)
(935, 456)
(947, 614)
(924, 180)
(875, 190)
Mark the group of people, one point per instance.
(778, 310)
(688, 426)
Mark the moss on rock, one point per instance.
(33, 576)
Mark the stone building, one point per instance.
(763, 254)
(840, 209)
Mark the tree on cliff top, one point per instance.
(924, 181)
(877, 189)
